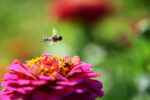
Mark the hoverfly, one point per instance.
(53, 38)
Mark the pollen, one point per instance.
(49, 65)
(46, 70)
(66, 69)
(52, 68)
(63, 59)
(56, 57)
(34, 61)
(42, 68)
(51, 58)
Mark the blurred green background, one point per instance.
(118, 46)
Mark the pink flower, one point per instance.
(87, 10)
(51, 78)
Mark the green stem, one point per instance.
(85, 38)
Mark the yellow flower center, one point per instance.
(48, 65)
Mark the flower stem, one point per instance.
(85, 38)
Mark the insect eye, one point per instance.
(60, 38)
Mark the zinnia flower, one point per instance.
(51, 78)
(87, 10)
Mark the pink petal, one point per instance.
(60, 77)
(75, 60)
(39, 82)
(57, 87)
(47, 55)
(67, 83)
(48, 78)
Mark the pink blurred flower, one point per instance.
(87, 10)
(51, 78)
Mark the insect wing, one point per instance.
(54, 31)
(43, 37)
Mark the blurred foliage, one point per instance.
(119, 52)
